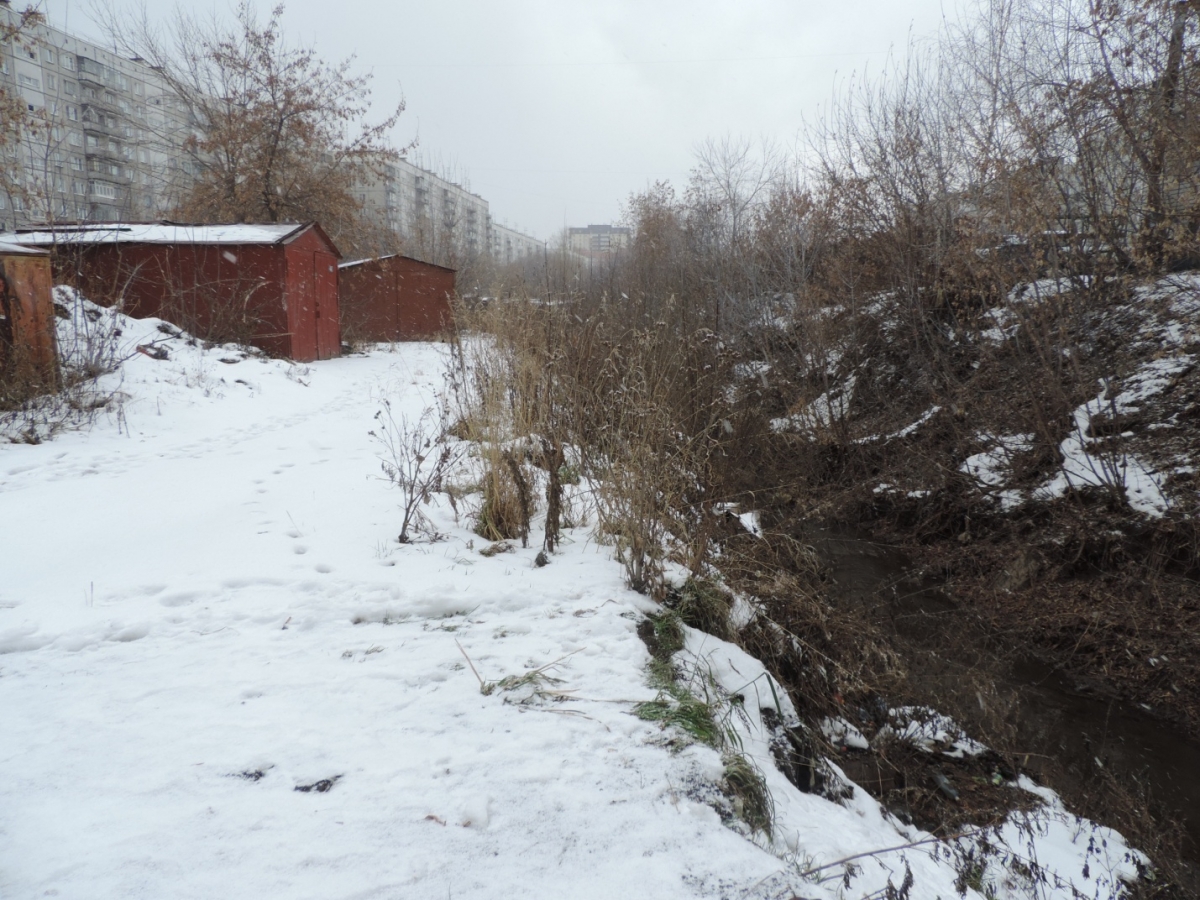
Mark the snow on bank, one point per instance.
(221, 676)
(1160, 322)
(1086, 461)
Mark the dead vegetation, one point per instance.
(964, 333)
(89, 348)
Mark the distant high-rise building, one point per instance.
(510, 245)
(597, 240)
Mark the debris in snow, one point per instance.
(322, 786)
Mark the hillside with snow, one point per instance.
(222, 676)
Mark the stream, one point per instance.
(1055, 719)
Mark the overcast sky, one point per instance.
(556, 110)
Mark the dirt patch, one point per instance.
(939, 793)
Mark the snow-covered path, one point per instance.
(178, 606)
(220, 676)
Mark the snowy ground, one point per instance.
(220, 676)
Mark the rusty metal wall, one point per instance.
(312, 298)
(397, 299)
(28, 349)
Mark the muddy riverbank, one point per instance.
(1106, 755)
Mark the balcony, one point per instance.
(89, 71)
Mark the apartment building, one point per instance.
(599, 240)
(107, 136)
(107, 145)
(438, 220)
(510, 245)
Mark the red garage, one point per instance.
(272, 286)
(395, 298)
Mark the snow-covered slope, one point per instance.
(220, 676)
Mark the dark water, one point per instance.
(1056, 719)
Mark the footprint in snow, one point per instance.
(180, 598)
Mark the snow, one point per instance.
(156, 234)
(931, 731)
(910, 428)
(831, 407)
(841, 733)
(1150, 380)
(222, 676)
(992, 467)
(751, 522)
(1086, 462)
(1007, 323)
(9, 248)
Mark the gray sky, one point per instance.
(556, 110)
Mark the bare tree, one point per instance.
(1098, 101)
(276, 133)
(22, 128)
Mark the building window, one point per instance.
(100, 189)
(68, 62)
(93, 142)
(77, 163)
(69, 88)
(48, 55)
(75, 139)
(28, 81)
(72, 113)
(51, 83)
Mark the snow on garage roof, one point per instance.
(350, 264)
(155, 233)
(8, 249)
